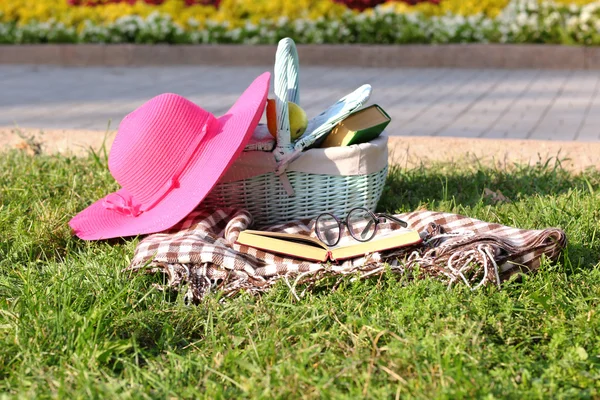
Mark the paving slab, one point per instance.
(466, 55)
(441, 102)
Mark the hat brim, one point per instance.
(217, 151)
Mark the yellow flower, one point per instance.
(235, 12)
(240, 11)
(22, 11)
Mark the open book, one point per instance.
(305, 247)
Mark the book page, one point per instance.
(369, 117)
(398, 238)
(349, 241)
(288, 237)
(296, 246)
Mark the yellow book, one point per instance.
(300, 246)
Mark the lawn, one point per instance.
(73, 325)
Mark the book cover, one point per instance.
(360, 127)
(308, 248)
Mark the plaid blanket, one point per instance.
(201, 253)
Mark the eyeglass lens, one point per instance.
(328, 229)
(361, 224)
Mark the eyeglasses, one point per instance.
(360, 222)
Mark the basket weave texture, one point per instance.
(268, 202)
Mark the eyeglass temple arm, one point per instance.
(404, 224)
(371, 222)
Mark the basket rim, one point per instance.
(356, 160)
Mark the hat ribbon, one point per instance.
(122, 203)
(128, 206)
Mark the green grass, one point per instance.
(73, 325)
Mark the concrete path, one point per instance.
(472, 103)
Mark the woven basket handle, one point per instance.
(286, 89)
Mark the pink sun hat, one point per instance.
(167, 156)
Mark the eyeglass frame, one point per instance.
(376, 218)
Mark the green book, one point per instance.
(360, 127)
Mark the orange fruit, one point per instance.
(272, 117)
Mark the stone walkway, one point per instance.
(513, 104)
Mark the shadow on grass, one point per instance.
(413, 188)
(576, 257)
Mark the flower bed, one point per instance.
(306, 21)
(95, 3)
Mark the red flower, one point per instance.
(203, 2)
(361, 5)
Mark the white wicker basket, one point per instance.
(291, 183)
(351, 177)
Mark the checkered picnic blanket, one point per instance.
(201, 253)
